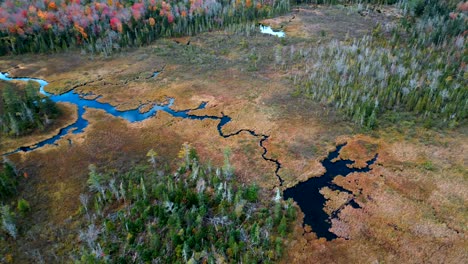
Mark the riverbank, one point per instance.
(412, 201)
(67, 117)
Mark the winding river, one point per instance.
(134, 115)
(306, 194)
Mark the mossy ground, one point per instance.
(413, 201)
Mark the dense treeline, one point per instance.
(8, 181)
(104, 26)
(199, 214)
(22, 112)
(8, 189)
(418, 65)
(335, 2)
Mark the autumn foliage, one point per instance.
(41, 26)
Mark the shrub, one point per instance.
(23, 206)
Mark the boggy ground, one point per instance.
(11, 143)
(413, 201)
(68, 116)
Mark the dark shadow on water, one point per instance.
(307, 194)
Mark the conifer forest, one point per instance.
(233, 131)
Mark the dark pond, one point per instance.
(307, 194)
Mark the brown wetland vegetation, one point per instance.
(413, 203)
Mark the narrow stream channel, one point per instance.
(307, 194)
(134, 115)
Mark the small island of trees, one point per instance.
(22, 112)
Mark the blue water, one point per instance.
(155, 74)
(307, 194)
(134, 115)
(72, 97)
(268, 30)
